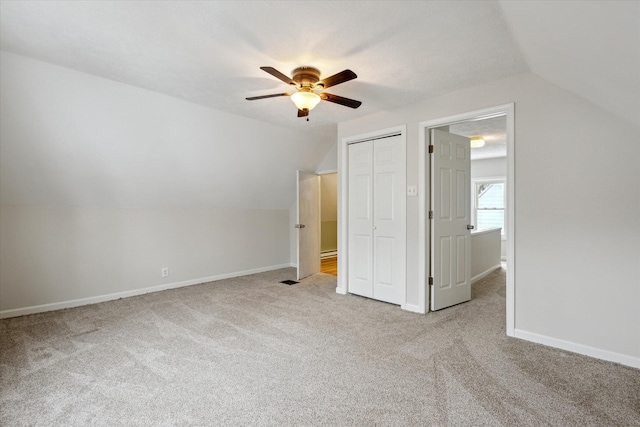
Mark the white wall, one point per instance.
(330, 161)
(102, 184)
(577, 275)
(482, 168)
(485, 253)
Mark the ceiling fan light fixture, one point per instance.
(477, 142)
(305, 100)
(309, 88)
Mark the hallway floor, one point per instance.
(329, 265)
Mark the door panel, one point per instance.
(360, 219)
(445, 194)
(389, 219)
(445, 262)
(450, 202)
(461, 260)
(362, 263)
(309, 217)
(384, 261)
(384, 200)
(362, 190)
(462, 204)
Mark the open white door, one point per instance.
(451, 218)
(308, 224)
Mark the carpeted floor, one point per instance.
(252, 351)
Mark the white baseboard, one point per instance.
(412, 308)
(484, 274)
(573, 347)
(341, 291)
(109, 297)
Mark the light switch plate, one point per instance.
(412, 190)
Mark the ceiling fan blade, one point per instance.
(303, 113)
(278, 75)
(336, 79)
(253, 98)
(352, 103)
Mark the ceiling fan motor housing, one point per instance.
(306, 77)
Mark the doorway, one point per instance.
(329, 223)
(483, 207)
(316, 223)
(424, 251)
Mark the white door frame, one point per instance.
(343, 203)
(423, 193)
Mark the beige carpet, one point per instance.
(251, 351)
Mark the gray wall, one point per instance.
(53, 255)
(577, 269)
(103, 184)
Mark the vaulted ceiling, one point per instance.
(210, 52)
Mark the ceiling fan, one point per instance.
(309, 88)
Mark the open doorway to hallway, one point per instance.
(467, 207)
(488, 198)
(329, 223)
(425, 170)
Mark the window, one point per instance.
(488, 204)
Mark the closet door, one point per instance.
(361, 219)
(388, 220)
(377, 248)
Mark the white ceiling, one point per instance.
(492, 130)
(210, 52)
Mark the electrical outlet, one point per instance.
(165, 272)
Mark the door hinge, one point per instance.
(430, 214)
(430, 281)
(430, 149)
(299, 226)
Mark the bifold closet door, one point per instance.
(361, 219)
(377, 219)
